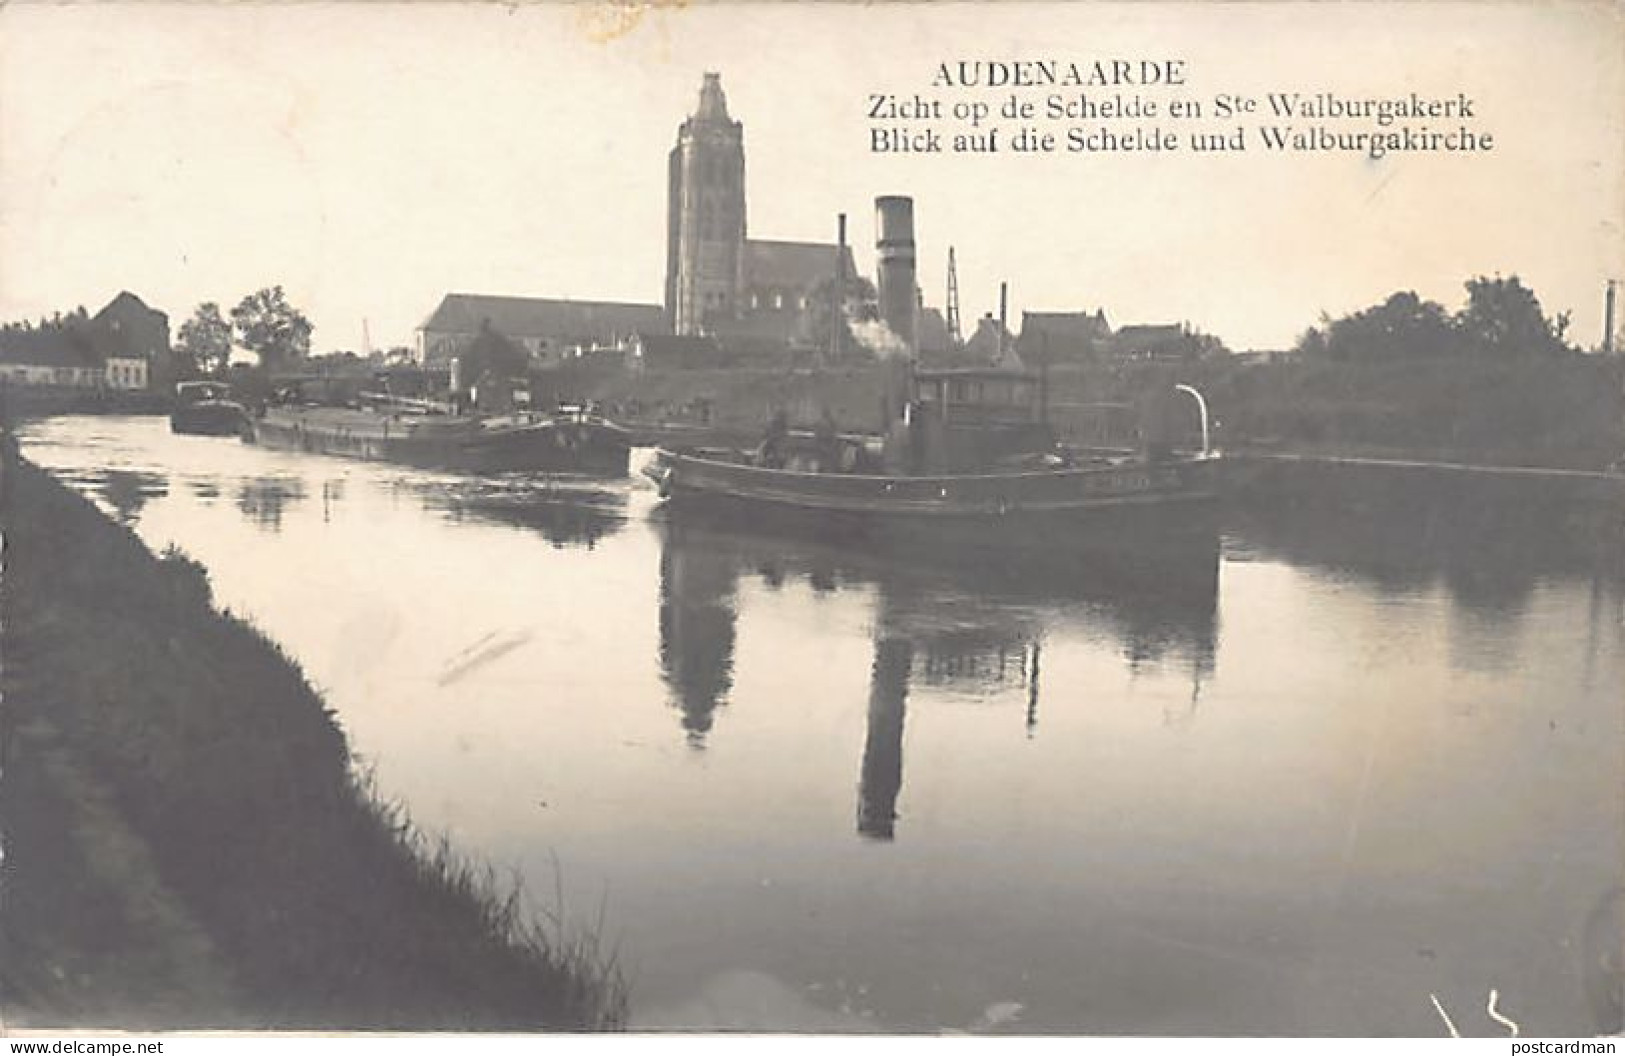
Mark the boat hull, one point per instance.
(463, 445)
(213, 418)
(1132, 513)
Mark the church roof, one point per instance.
(463, 313)
(791, 265)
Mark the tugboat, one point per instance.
(205, 408)
(966, 459)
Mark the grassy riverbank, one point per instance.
(186, 841)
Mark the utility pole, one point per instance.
(837, 300)
(1608, 319)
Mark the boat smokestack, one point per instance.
(894, 251)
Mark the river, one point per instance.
(1360, 765)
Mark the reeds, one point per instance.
(332, 908)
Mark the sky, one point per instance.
(372, 157)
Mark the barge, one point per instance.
(570, 440)
(205, 408)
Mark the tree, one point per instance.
(205, 339)
(269, 326)
(1403, 327)
(1312, 343)
(1503, 318)
(1206, 346)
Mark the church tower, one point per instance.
(705, 216)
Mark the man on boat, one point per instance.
(774, 441)
(1157, 414)
(827, 440)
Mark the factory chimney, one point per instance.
(894, 251)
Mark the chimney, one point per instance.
(837, 301)
(894, 250)
(1004, 304)
(1608, 320)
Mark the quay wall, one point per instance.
(41, 401)
(1313, 476)
(287, 895)
(1564, 413)
(1509, 516)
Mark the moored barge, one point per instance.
(205, 408)
(571, 440)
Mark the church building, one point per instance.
(718, 281)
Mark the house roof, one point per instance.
(1153, 333)
(985, 338)
(931, 331)
(791, 265)
(124, 302)
(464, 313)
(1086, 326)
(49, 348)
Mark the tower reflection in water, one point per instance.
(882, 776)
(698, 586)
(972, 631)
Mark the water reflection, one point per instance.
(697, 616)
(1489, 552)
(977, 627)
(127, 490)
(1032, 675)
(882, 774)
(332, 495)
(264, 500)
(1486, 559)
(207, 490)
(567, 513)
(968, 633)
